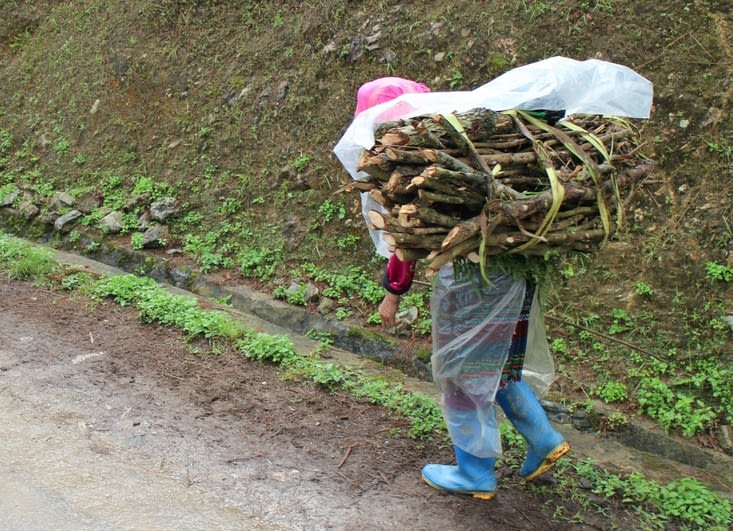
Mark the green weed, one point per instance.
(136, 240)
(260, 263)
(534, 9)
(301, 162)
(292, 296)
(423, 412)
(330, 211)
(673, 409)
(155, 304)
(7, 189)
(81, 281)
(61, 146)
(353, 283)
(644, 289)
(266, 347)
(622, 322)
(612, 392)
(456, 80)
(147, 186)
(6, 141)
(22, 261)
(721, 148)
(685, 500)
(720, 272)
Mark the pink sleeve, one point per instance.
(398, 275)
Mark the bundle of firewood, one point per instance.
(484, 183)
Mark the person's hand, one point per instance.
(388, 309)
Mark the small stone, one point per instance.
(163, 209)
(9, 199)
(725, 438)
(326, 306)
(585, 484)
(112, 222)
(553, 407)
(293, 288)
(180, 277)
(408, 316)
(155, 236)
(580, 419)
(389, 56)
(62, 222)
(28, 209)
(61, 200)
(311, 293)
(282, 91)
(88, 202)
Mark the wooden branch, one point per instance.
(469, 202)
(399, 179)
(447, 187)
(479, 124)
(375, 165)
(418, 136)
(380, 198)
(462, 232)
(482, 182)
(390, 223)
(426, 216)
(430, 139)
(382, 221)
(446, 160)
(443, 258)
(404, 240)
(358, 186)
(411, 255)
(408, 156)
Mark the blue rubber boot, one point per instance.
(471, 475)
(524, 411)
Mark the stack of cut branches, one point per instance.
(484, 183)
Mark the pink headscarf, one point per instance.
(385, 89)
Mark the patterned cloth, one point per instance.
(514, 363)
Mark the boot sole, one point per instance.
(478, 495)
(549, 461)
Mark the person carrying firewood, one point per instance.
(480, 329)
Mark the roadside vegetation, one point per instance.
(685, 503)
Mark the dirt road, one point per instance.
(110, 424)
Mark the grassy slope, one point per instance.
(258, 168)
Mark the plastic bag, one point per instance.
(473, 325)
(539, 368)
